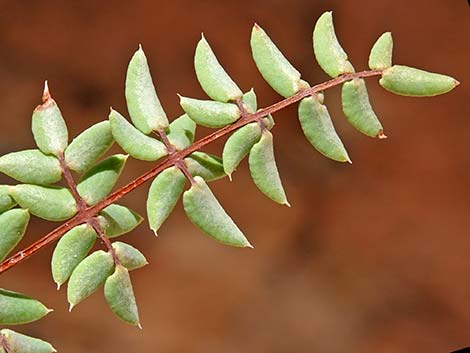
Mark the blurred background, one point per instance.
(372, 257)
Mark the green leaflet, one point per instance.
(238, 146)
(119, 294)
(381, 53)
(88, 147)
(209, 113)
(117, 220)
(264, 171)
(48, 126)
(181, 132)
(164, 192)
(319, 130)
(6, 201)
(207, 214)
(128, 256)
(31, 166)
(71, 249)
(16, 308)
(205, 165)
(47, 202)
(19, 343)
(88, 276)
(357, 108)
(408, 81)
(273, 65)
(13, 224)
(144, 107)
(134, 142)
(249, 101)
(330, 55)
(211, 75)
(98, 182)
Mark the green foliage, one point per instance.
(210, 113)
(329, 53)
(163, 195)
(13, 224)
(319, 130)
(380, 57)
(408, 81)
(211, 75)
(119, 294)
(98, 182)
(205, 212)
(94, 211)
(88, 147)
(18, 343)
(357, 108)
(16, 308)
(143, 104)
(88, 276)
(128, 256)
(264, 171)
(52, 203)
(71, 249)
(42, 169)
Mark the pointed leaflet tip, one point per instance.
(154, 232)
(46, 95)
(140, 326)
(456, 83)
(71, 307)
(287, 204)
(229, 176)
(58, 285)
(381, 135)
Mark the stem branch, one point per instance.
(174, 158)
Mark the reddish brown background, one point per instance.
(372, 257)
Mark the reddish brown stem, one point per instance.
(71, 183)
(174, 159)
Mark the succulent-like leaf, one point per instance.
(211, 75)
(89, 146)
(181, 132)
(273, 65)
(164, 192)
(381, 53)
(209, 113)
(330, 55)
(264, 171)
(6, 201)
(119, 294)
(98, 182)
(408, 81)
(19, 343)
(133, 141)
(238, 146)
(319, 130)
(205, 165)
(13, 224)
(16, 308)
(143, 104)
(47, 202)
(88, 276)
(357, 108)
(249, 101)
(207, 214)
(117, 220)
(48, 126)
(31, 166)
(71, 249)
(128, 256)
